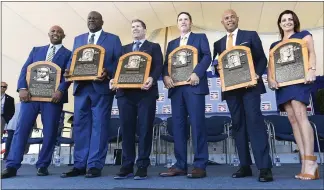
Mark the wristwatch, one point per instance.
(312, 68)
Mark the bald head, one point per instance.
(95, 21)
(56, 34)
(4, 87)
(230, 20)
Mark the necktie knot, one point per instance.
(231, 35)
(91, 40)
(51, 54)
(137, 45)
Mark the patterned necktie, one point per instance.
(230, 41)
(51, 54)
(91, 40)
(183, 41)
(137, 45)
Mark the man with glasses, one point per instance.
(7, 106)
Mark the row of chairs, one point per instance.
(218, 129)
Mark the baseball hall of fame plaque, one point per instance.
(133, 70)
(236, 68)
(288, 62)
(181, 63)
(87, 63)
(43, 79)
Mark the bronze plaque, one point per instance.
(236, 68)
(133, 70)
(289, 62)
(43, 79)
(181, 63)
(87, 63)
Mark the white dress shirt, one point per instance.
(96, 37)
(234, 36)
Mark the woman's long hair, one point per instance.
(295, 19)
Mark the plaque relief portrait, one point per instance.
(43, 74)
(134, 62)
(234, 60)
(182, 58)
(88, 54)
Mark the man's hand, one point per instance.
(310, 77)
(56, 97)
(148, 84)
(257, 77)
(193, 79)
(168, 82)
(24, 95)
(103, 75)
(112, 86)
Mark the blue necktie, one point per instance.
(137, 45)
(91, 40)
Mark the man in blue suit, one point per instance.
(92, 103)
(189, 100)
(137, 107)
(50, 111)
(244, 103)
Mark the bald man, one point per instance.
(56, 53)
(244, 103)
(93, 102)
(7, 106)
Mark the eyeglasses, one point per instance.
(3, 86)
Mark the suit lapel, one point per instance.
(177, 42)
(223, 43)
(191, 39)
(43, 53)
(128, 48)
(239, 37)
(144, 46)
(85, 39)
(58, 54)
(102, 38)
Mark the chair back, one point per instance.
(216, 124)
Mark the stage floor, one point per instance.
(218, 177)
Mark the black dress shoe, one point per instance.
(93, 172)
(73, 173)
(42, 171)
(8, 173)
(244, 171)
(141, 173)
(265, 175)
(124, 173)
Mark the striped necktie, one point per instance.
(183, 41)
(137, 45)
(91, 40)
(51, 54)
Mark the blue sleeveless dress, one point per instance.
(300, 92)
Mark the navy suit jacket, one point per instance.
(200, 42)
(8, 108)
(113, 48)
(61, 58)
(154, 50)
(251, 40)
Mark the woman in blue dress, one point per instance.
(294, 98)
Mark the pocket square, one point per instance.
(244, 43)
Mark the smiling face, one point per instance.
(184, 23)
(4, 87)
(287, 22)
(56, 35)
(138, 31)
(230, 20)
